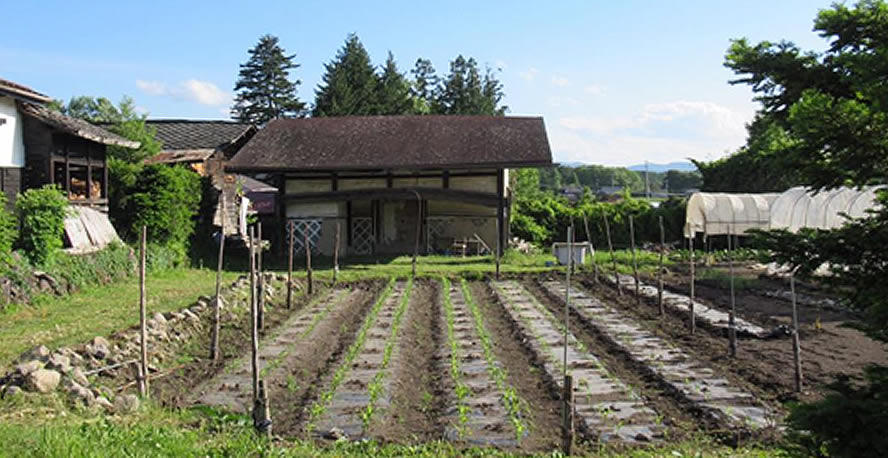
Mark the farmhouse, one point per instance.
(41, 146)
(379, 178)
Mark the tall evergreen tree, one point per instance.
(264, 90)
(349, 85)
(465, 92)
(425, 83)
(393, 91)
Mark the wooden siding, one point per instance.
(10, 184)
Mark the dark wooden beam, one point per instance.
(475, 197)
(500, 210)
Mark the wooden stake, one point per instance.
(143, 340)
(418, 230)
(634, 258)
(308, 265)
(290, 268)
(691, 306)
(732, 330)
(610, 247)
(262, 411)
(591, 248)
(796, 345)
(497, 250)
(567, 423)
(567, 294)
(217, 306)
(336, 255)
(260, 282)
(660, 268)
(254, 331)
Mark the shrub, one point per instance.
(42, 212)
(114, 262)
(7, 234)
(165, 200)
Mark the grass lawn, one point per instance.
(98, 310)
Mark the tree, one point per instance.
(393, 92)
(349, 84)
(264, 90)
(423, 89)
(466, 92)
(122, 119)
(677, 180)
(832, 108)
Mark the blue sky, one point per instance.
(617, 82)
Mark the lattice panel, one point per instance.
(435, 227)
(302, 226)
(362, 235)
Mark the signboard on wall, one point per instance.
(263, 202)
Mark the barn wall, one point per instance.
(10, 184)
(479, 184)
(348, 184)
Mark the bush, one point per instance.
(165, 200)
(112, 263)
(42, 212)
(7, 234)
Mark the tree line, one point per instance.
(596, 177)
(353, 86)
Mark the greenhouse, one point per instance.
(718, 213)
(800, 207)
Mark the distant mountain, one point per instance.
(679, 165)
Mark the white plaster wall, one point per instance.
(12, 145)
(479, 184)
(296, 186)
(315, 210)
(348, 184)
(418, 183)
(450, 208)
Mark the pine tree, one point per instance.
(349, 85)
(264, 90)
(393, 91)
(465, 92)
(425, 83)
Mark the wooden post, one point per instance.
(260, 282)
(610, 247)
(290, 229)
(732, 330)
(796, 345)
(634, 258)
(336, 255)
(139, 376)
(217, 306)
(591, 247)
(497, 250)
(143, 340)
(691, 305)
(660, 268)
(567, 423)
(418, 230)
(262, 411)
(308, 265)
(254, 331)
(567, 295)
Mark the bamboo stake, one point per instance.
(217, 306)
(660, 268)
(260, 282)
(254, 331)
(261, 411)
(591, 248)
(290, 229)
(732, 330)
(796, 345)
(691, 307)
(634, 258)
(143, 340)
(567, 423)
(308, 265)
(610, 247)
(336, 255)
(567, 295)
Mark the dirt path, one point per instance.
(475, 414)
(728, 405)
(412, 393)
(232, 389)
(608, 408)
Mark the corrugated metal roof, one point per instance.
(379, 142)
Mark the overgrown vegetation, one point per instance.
(8, 234)
(42, 212)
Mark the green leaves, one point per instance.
(264, 90)
(42, 212)
(349, 85)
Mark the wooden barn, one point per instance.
(378, 178)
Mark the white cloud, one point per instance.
(194, 90)
(593, 89)
(530, 74)
(560, 81)
(556, 101)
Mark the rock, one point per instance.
(159, 318)
(334, 434)
(100, 348)
(11, 391)
(59, 362)
(43, 380)
(79, 376)
(28, 367)
(189, 314)
(40, 353)
(104, 403)
(79, 393)
(126, 403)
(641, 437)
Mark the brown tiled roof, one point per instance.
(22, 92)
(180, 155)
(381, 142)
(74, 126)
(187, 134)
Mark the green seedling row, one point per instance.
(515, 406)
(461, 390)
(375, 388)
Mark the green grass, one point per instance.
(99, 310)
